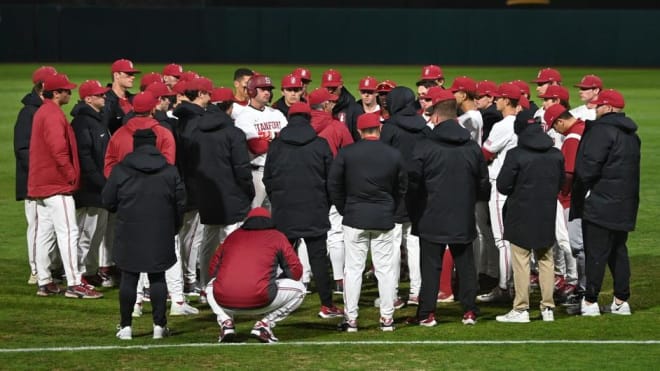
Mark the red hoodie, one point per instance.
(53, 163)
(121, 142)
(335, 132)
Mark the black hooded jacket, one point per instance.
(22, 133)
(295, 176)
(606, 179)
(448, 175)
(148, 197)
(113, 115)
(347, 111)
(531, 177)
(403, 130)
(188, 115)
(92, 138)
(223, 174)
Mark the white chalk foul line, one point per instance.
(335, 343)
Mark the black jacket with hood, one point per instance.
(92, 137)
(531, 177)
(188, 115)
(606, 180)
(223, 174)
(22, 133)
(347, 111)
(295, 176)
(403, 130)
(148, 197)
(448, 175)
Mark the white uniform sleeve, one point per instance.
(498, 138)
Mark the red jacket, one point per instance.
(121, 142)
(331, 130)
(53, 165)
(569, 150)
(245, 265)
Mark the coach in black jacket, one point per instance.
(295, 176)
(448, 175)
(606, 195)
(531, 177)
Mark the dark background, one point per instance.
(480, 32)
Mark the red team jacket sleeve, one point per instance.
(569, 150)
(258, 146)
(215, 262)
(487, 154)
(54, 135)
(111, 157)
(166, 144)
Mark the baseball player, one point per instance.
(369, 100)
(54, 174)
(305, 76)
(346, 109)
(118, 99)
(172, 73)
(241, 96)
(292, 90)
(590, 86)
(261, 124)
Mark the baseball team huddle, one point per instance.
(470, 192)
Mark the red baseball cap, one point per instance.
(552, 113)
(508, 90)
(590, 82)
(431, 92)
(548, 75)
(331, 78)
(173, 69)
(555, 91)
(149, 78)
(201, 84)
(610, 97)
(463, 83)
(188, 75)
(222, 94)
(368, 83)
(300, 108)
(180, 87)
(259, 212)
(159, 89)
(144, 102)
(431, 72)
(524, 102)
(291, 81)
(385, 86)
(486, 87)
(124, 65)
(438, 94)
(368, 120)
(58, 81)
(91, 87)
(320, 95)
(40, 74)
(522, 85)
(303, 73)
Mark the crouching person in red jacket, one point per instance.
(255, 271)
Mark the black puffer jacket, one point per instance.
(113, 115)
(295, 176)
(223, 175)
(148, 196)
(22, 133)
(531, 177)
(606, 180)
(92, 138)
(188, 115)
(448, 175)
(403, 130)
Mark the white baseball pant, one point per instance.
(105, 250)
(357, 243)
(485, 254)
(260, 196)
(190, 239)
(56, 216)
(290, 294)
(304, 260)
(402, 235)
(495, 206)
(335, 243)
(92, 222)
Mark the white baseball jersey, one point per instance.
(584, 113)
(500, 140)
(260, 124)
(237, 109)
(474, 123)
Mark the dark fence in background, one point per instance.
(507, 36)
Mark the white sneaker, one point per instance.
(33, 279)
(514, 316)
(137, 310)
(161, 332)
(183, 309)
(589, 310)
(548, 315)
(124, 333)
(620, 309)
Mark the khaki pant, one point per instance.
(520, 260)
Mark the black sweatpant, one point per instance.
(128, 290)
(317, 250)
(431, 254)
(604, 246)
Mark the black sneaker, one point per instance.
(227, 331)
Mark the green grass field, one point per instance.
(59, 327)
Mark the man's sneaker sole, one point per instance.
(263, 336)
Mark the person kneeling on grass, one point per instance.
(255, 271)
(148, 196)
(531, 177)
